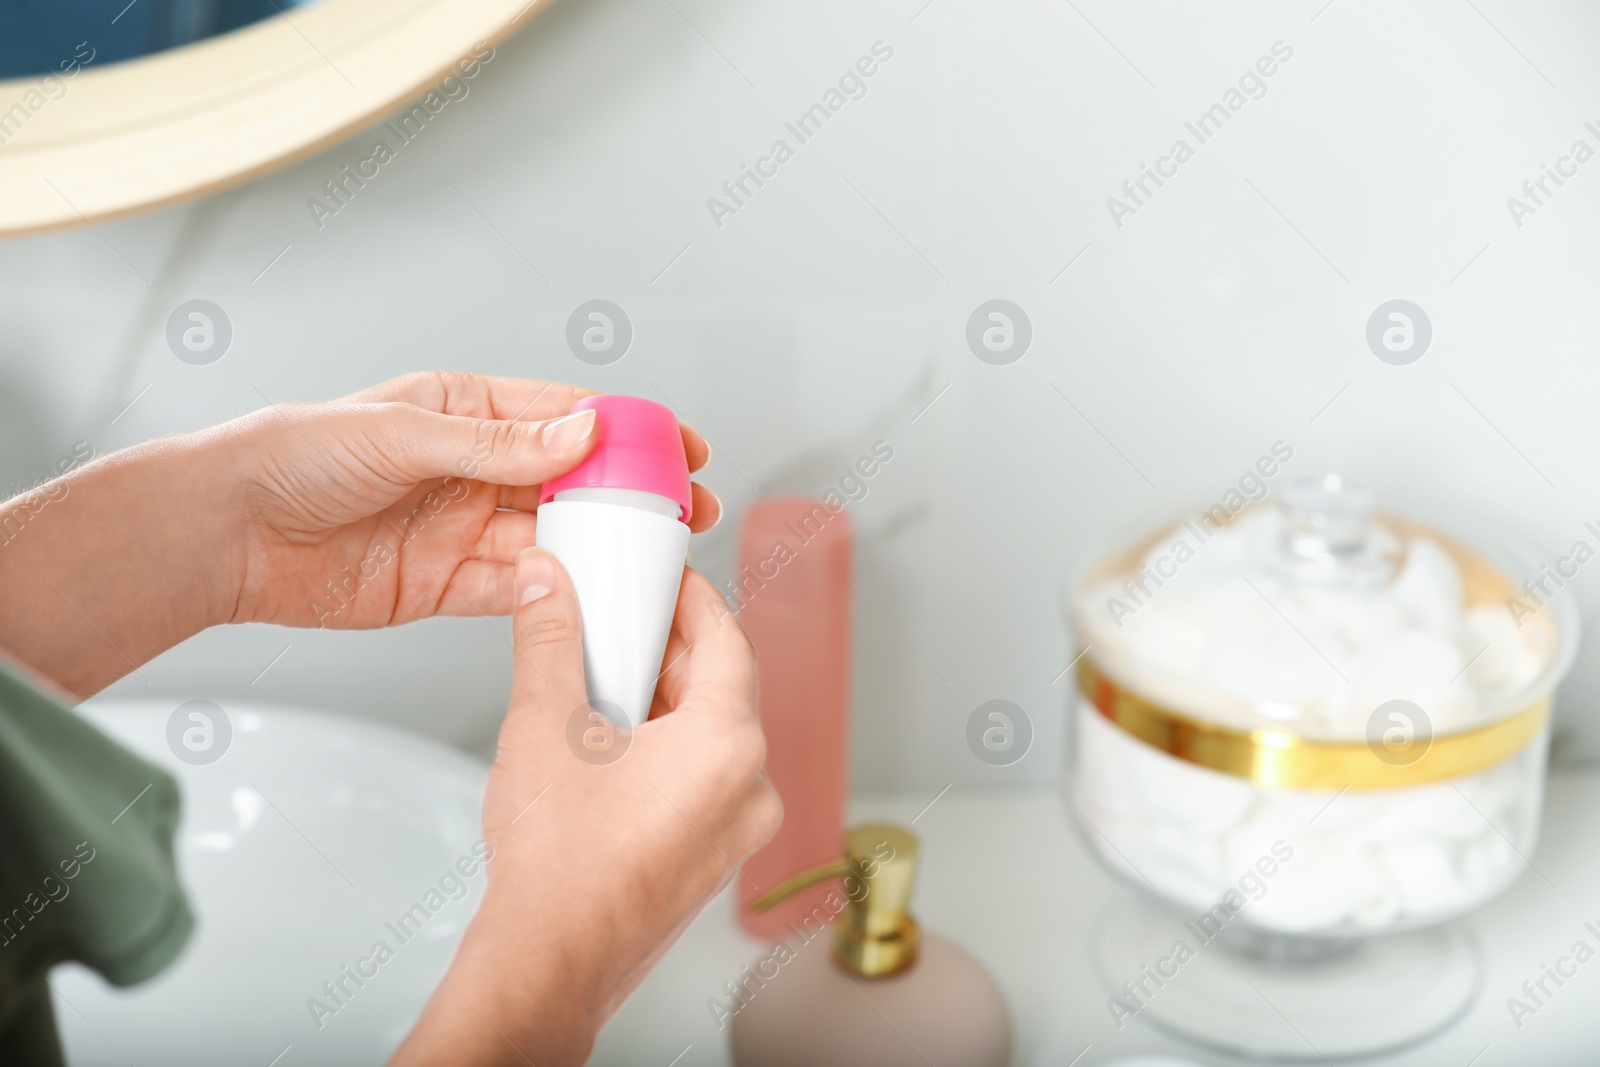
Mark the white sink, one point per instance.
(301, 848)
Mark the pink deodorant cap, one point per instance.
(640, 447)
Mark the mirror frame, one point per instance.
(153, 131)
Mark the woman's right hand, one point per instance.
(597, 866)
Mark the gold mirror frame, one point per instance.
(148, 132)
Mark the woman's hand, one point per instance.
(596, 867)
(407, 500)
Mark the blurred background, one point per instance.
(1174, 340)
(1168, 316)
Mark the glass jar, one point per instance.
(1311, 723)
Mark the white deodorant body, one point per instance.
(625, 550)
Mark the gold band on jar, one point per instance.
(1280, 759)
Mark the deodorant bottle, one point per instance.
(619, 523)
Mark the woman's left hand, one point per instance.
(406, 500)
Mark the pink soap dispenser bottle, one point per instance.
(886, 995)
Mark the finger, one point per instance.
(703, 615)
(669, 686)
(477, 396)
(547, 634)
(412, 445)
(483, 397)
(720, 665)
(482, 585)
(478, 587)
(519, 497)
(504, 535)
(694, 447)
(670, 682)
(706, 510)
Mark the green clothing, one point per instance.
(86, 862)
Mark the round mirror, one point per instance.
(107, 108)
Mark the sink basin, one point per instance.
(310, 841)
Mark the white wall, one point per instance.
(831, 309)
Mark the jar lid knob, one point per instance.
(1325, 519)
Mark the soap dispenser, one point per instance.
(888, 995)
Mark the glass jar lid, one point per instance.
(1306, 613)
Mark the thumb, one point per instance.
(547, 634)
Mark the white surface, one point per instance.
(298, 846)
(816, 320)
(626, 565)
(1004, 875)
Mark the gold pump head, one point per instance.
(875, 936)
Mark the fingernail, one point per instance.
(536, 575)
(717, 500)
(568, 431)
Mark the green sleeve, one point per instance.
(86, 861)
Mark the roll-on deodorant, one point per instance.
(619, 523)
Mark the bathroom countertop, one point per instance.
(1004, 874)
